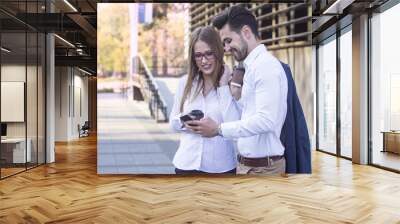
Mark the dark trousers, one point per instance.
(179, 171)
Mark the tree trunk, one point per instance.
(165, 56)
(155, 54)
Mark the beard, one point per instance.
(241, 53)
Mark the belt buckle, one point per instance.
(239, 158)
(270, 161)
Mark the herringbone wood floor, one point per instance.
(70, 191)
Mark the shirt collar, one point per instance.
(251, 57)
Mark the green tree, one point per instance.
(161, 42)
(113, 37)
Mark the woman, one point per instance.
(205, 88)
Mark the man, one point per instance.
(263, 98)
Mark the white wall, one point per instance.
(14, 73)
(71, 94)
(80, 109)
(33, 126)
(62, 81)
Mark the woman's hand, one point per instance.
(226, 76)
(189, 125)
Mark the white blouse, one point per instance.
(213, 155)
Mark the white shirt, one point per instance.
(264, 107)
(213, 155)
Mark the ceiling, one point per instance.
(74, 22)
(328, 16)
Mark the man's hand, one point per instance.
(205, 127)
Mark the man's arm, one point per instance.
(269, 96)
(268, 99)
(229, 109)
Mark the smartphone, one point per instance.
(185, 118)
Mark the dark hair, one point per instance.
(236, 17)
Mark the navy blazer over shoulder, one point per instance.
(294, 134)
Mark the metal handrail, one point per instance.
(155, 99)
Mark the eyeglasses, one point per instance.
(209, 55)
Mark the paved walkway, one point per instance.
(129, 141)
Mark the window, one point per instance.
(23, 77)
(385, 89)
(327, 95)
(346, 92)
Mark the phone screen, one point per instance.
(185, 118)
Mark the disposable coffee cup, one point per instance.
(237, 75)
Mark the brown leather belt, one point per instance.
(257, 162)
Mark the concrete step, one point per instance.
(167, 88)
